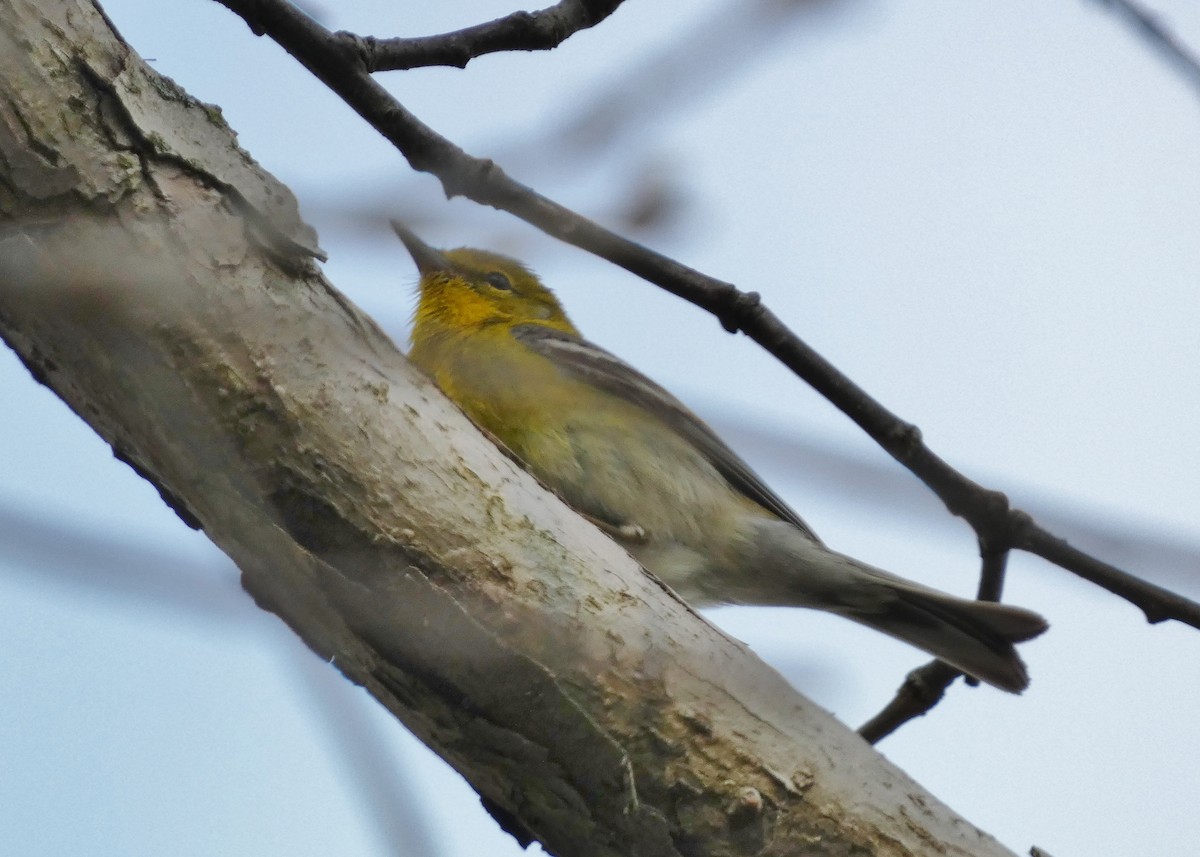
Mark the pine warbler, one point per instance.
(630, 457)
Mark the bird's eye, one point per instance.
(497, 280)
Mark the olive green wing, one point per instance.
(593, 365)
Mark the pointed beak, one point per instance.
(428, 259)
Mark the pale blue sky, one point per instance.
(986, 214)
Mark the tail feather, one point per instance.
(976, 637)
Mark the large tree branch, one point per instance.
(160, 283)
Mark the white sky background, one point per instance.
(986, 214)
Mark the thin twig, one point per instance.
(991, 573)
(521, 31)
(923, 688)
(1157, 603)
(988, 512)
(991, 580)
(1158, 35)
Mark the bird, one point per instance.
(635, 461)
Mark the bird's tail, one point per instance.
(977, 637)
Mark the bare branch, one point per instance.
(991, 574)
(1158, 36)
(988, 512)
(923, 688)
(1157, 603)
(521, 31)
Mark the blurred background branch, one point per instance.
(1157, 35)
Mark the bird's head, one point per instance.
(468, 289)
